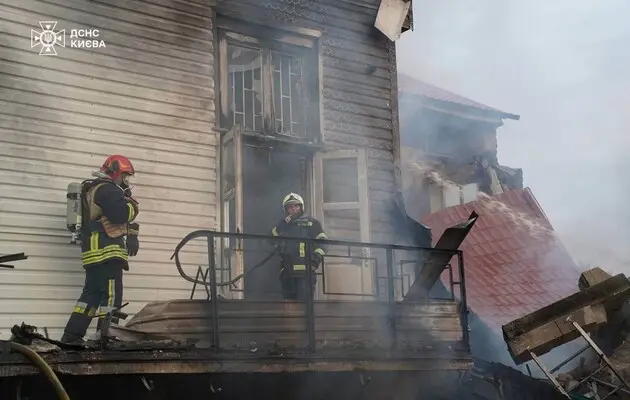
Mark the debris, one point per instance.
(435, 263)
(599, 308)
(554, 333)
(592, 277)
(611, 293)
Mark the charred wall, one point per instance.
(357, 92)
(456, 138)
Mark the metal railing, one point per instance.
(388, 278)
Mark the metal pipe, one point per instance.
(463, 301)
(568, 360)
(610, 385)
(391, 289)
(601, 354)
(214, 234)
(213, 293)
(310, 306)
(201, 233)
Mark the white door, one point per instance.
(231, 260)
(343, 208)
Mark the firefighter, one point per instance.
(293, 253)
(109, 236)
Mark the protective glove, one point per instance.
(316, 260)
(133, 245)
(134, 204)
(288, 219)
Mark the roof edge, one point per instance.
(528, 192)
(455, 106)
(487, 110)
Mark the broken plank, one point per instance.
(548, 336)
(435, 264)
(592, 277)
(613, 291)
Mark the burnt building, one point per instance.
(224, 107)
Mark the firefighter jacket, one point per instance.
(293, 252)
(107, 214)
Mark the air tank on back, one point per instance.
(74, 211)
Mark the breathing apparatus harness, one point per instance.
(78, 211)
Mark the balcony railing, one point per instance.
(351, 272)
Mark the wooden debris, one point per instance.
(546, 337)
(436, 262)
(592, 277)
(546, 328)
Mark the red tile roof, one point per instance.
(407, 84)
(514, 262)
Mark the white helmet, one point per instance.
(292, 198)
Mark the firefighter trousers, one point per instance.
(294, 285)
(102, 292)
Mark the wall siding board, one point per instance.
(356, 93)
(149, 95)
(152, 91)
(356, 102)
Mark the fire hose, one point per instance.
(252, 269)
(204, 233)
(29, 353)
(43, 366)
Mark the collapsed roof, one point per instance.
(514, 262)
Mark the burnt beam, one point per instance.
(592, 277)
(548, 336)
(613, 291)
(189, 362)
(549, 327)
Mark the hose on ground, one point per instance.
(41, 364)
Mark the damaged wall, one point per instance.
(358, 91)
(453, 141)
(150, 94)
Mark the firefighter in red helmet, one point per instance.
(109, 236)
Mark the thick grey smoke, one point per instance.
(564, 66)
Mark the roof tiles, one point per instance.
(514, 262)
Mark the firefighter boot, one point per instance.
(76, 328)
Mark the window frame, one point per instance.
(270, 40)
(439, 194)
(237, 265)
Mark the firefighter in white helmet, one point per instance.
(293, 253)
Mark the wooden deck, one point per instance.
(283, 324)
(175, 337)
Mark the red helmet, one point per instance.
(116, 165)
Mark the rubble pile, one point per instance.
(600, 314)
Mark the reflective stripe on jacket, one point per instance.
(108, 214)
(294, 252)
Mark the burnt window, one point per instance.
(245, 93)
(266, 85)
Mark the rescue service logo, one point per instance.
(47, 38)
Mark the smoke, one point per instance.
(485, 202)
(563, 66)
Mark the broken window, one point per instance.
(443, 196)
(263, 85)
(245, 99)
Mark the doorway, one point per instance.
(268, 175)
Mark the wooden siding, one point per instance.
(149, 94)
(356, 101)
